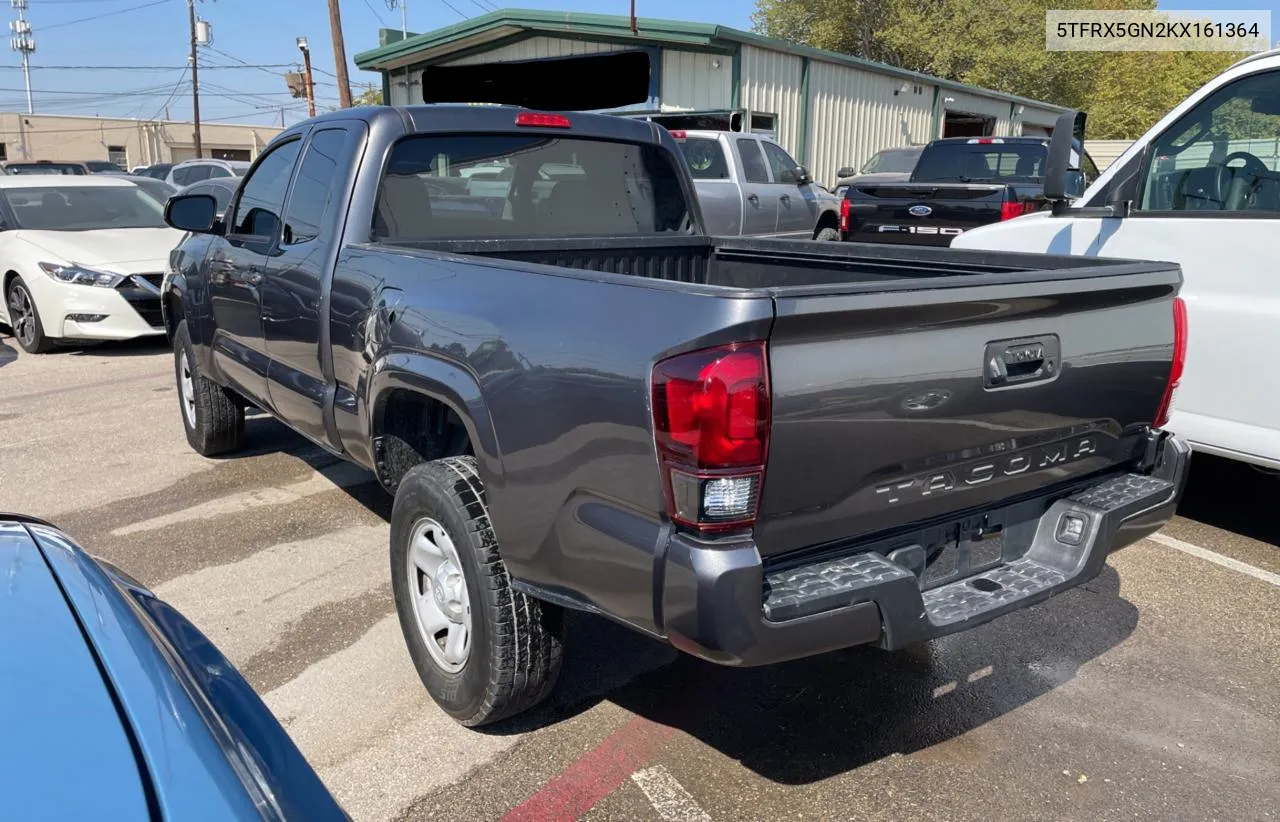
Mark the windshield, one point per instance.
(526, 185)
(83, 208)
(896, 161)
(43, 168)
(981, 162)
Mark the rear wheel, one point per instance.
(212, 416)
(24, 319)
(827, 234)
(483, 650)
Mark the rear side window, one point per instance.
(217, 171)
(313, 190)
(981, 162)
(706, 158)
(526, 185)
(753, 167)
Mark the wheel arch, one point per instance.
(436, 386)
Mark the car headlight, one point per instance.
(81, 275)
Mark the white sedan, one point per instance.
(82, 259)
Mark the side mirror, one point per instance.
(847, 171)
(1066, 152)
(803, 178)
(191, 212)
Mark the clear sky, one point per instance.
(145, 42)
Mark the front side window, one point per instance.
(780, 162)
(526, 185)
(706, 158)
(83, 208)
(1222, 154)
(262, 195)
(313, 190)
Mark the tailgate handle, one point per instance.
(1021, 361)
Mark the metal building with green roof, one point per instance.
(831, 110)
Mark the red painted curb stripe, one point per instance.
(578, 788)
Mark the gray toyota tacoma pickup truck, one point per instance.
(755, 450)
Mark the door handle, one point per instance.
(1013, 362)
(753, 198)
(786, 198)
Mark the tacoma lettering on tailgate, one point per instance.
(1008, 465)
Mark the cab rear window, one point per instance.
(981, 162)
(524, 186)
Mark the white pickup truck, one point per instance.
(1202, 189)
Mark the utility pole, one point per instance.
(23, 41)
(339, 55)
(195, 81)
(310, 84)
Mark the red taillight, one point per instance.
(1179, 362)
(529, 118)
(1010, 210)
(711, 415)
(679, 134)
(844, 215)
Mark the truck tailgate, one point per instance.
(893, 406)
(920, 213)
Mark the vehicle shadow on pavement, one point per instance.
(803, 721)
(7, 352)
(1230, 495)
(141, 347)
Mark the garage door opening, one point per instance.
(590, 82)
(960, 124)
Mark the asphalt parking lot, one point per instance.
(1153, 692)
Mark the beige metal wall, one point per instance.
(535, 48)
(60, 137)
(771, 82)
(855, 113)
(1105, 152)
(696, 81)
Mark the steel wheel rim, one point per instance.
(186, 386)
(438, 592)
(22, 315)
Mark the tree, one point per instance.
(371, 96)
(1003, 49)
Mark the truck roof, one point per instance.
(427, 118)
(1023, 140)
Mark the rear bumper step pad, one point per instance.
(1115, 513)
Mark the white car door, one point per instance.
(1208, 198)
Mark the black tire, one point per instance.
(517, 642)
(212, 416)
(827, 234)
(28, 329)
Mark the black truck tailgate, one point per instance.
(920, 213)
(900, 404)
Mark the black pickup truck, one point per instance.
(755, 450)
(958, 183)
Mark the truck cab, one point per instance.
(1201, 188)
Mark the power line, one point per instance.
(147, 68)
(376, 13)
(104, 14)
(135, 123)
(456, 10)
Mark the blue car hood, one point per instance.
(66, 753)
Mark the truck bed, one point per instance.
(878, 358)
(778, 266)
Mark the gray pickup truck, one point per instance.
(749, 185)
(755, 450)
